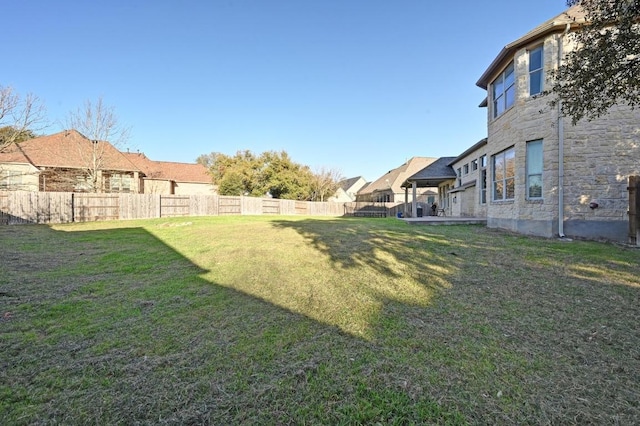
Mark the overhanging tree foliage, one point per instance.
(605, 68)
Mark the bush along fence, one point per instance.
(17, 207)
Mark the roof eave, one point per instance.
(509, 49)
(468, 151)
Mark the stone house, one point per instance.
(537, 173)
(548, 177)
(62, 162)
(167, 177)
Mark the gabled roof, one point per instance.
(393, 180)
(168, 170)
(346, 184)
(570, 18)
(67, 149)
(480, 143)
(13, 154)
(434, 174)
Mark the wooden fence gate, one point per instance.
(634, 210)
(90, 207)
(174, 205)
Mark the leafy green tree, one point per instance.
(232, 183)
(605, 69)
(10, 134)
(268, 174)
(283, 178)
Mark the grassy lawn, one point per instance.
(278, 320)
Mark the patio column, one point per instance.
(414, 203)
(406, 201)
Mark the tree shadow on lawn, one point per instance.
(549, 325)
(114, 326)
(515, 338)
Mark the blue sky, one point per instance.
(355, 85)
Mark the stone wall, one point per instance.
(599, 156)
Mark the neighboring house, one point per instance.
(348, 188)
(389, 187)
(537, 173)
(65, 162)
(165, 177)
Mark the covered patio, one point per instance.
(431, 176)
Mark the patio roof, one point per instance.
(433, 175)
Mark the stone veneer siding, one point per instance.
(467, 202)
(599, 156)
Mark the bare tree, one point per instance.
(98, 123)
(324, 183)
(19, 116)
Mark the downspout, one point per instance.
(561, 145)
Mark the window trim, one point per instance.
(528, 174)
(539, 71)
(502, 97)
(506, 181)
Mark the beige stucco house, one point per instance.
(389, 188)
(347, 190)
(167, 177)
(61, 163)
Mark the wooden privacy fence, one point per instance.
(61, 207)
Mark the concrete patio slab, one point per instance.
(443, 220)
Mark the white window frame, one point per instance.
(502, 164)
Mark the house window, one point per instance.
(10, 180)
(474, 165)
(483, 180)
(459, 173)
(534, 169)
(120, 183)
(503, 91)
(465, 169)
(483, 186)
(535, 71)
(504, 165)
